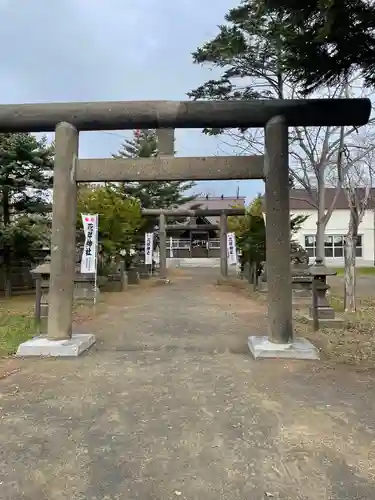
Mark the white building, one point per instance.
(337, 227)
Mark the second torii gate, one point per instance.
(166, 150)
(163, 214)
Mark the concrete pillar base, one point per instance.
(42, 347)
(299, 348)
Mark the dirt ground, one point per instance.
(169, 404)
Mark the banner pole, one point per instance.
(96, 258)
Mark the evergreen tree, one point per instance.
(248, 50)
(26, 165)
(154, 194)
(326, 40)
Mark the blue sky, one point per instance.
(90, 50)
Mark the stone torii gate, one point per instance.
(68, 119)
(163, 214)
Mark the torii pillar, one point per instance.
(223, 245)
(280, 341)
(165, 150)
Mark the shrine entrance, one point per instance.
(199, 244)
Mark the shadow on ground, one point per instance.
(169, 404)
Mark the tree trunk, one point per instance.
(320, 221)
(350, 269)
(7, 272)
(320, 235)
(7, 250)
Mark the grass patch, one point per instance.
(360, 271)
(13, 331)
(16, 323)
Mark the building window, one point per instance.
(359, 247)
(333, 245)
(310, 245)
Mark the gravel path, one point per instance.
(170, 405)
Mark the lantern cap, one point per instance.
(320, 269)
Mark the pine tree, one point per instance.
(26, 165)
(144, 144)
(326, 40)
(247, 50)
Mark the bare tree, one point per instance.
(316, 163)
(248, 52)
(316, 156)
(357, 185)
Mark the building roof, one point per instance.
(301, 200)
(214, 203)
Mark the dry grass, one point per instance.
(352, 344)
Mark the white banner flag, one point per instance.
(149, 248)
(89, 255)
(232, 251)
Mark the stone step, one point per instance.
(194, 262)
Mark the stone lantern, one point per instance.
(41, 275)
(301, 283)
(325, 312)
(84, 291)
